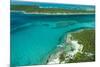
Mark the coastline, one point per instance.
(66, 56)
(61, 45)
(66, 50)
(37, 13)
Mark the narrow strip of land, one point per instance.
(36, 9)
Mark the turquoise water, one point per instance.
(33, 37)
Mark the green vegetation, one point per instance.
(82, 58)
(87, 39)
(62, 57)
(47, 10)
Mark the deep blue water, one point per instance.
(33, 37)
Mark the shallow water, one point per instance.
(33, 37)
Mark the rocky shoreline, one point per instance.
(71, 51)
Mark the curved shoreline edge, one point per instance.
(64, 55)
(59, 45)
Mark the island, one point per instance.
(78, 46)
(46, 33)
(35, 9)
